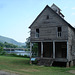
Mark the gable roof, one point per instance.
(56, 14)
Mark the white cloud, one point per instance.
(73, 8)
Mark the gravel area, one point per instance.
(7, 73)
(72, 71)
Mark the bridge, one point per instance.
(13, 49)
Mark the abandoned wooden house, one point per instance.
(55, 38)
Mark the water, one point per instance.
(19, 52)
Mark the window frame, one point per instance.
(59, 32)
(37, 33)
(47, 17)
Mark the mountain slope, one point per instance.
(9, 40)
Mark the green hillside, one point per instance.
(9, 40)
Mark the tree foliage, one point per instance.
(34, 45)
(28, 42)
(1, 50)
(7, 45)
(35, 48)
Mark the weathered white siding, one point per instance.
(48, 27)
(71, 43)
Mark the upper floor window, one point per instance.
(37, 33)
(47, 17)
(59, 31)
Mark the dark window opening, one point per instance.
(47, 17)
(59, 31)
(37, 30)
(37, 33)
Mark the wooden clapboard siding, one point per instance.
(48, 31)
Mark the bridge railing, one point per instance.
(16, 49)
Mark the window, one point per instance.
(59, 32)
(47, 17)
(59, 29)
(37, 33)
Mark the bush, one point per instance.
(1, 50)
(15, 55)
(3, 53)
(35, 62)
(26, 56)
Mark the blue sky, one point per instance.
(17, 15)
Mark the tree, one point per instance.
(8, 45)
(1, 44)
(28, 42)
(34, 47)
(1, 50)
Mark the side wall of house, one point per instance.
(71, 44)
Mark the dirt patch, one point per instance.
(72, 71)
(7, 73)
(29, 70)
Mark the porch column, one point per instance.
(41, 49)
(67, 64)
(53, 49)
(30, 52)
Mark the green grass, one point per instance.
(22, 66)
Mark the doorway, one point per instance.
(48, 49)
(60, 49)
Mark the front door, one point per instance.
(48, 49)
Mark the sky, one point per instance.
(17, 15)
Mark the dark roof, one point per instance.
(56, 14)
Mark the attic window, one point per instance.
(47, 17)
(37, 33)
(59, 31)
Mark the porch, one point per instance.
(51, 51)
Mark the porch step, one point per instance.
(45, 61)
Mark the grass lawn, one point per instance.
(22, 66)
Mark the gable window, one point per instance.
(59, 31)
(37, 33)
(47, 17)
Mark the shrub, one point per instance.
(13, 54)
(3, 53)
(35, 62)
(26, 56)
